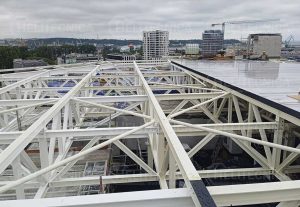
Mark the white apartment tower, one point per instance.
(156, 44)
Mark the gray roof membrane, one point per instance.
(273, 81)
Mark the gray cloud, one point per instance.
(184, 19)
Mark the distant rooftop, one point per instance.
(213, 31)
(266, 34)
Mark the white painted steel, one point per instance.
(32, 112)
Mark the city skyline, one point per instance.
(128, 19)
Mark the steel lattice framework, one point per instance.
(52, 118)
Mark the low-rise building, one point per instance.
(176, 50)
(20, 63)
(270, 44)
(120, 57)
(192, 49)
(3, 43)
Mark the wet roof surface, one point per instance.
(275, 81)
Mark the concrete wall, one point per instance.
(270, 44)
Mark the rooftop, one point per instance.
(266, 34)
(273, 81)
(152, 124)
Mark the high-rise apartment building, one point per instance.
(156, 44)
(212, 42)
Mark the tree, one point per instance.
(47, 53)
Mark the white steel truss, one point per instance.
(54, 119)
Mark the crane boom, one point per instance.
(244, 22)
(252, 21)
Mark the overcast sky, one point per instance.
(126, 19)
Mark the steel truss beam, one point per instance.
(134, 178)
(12, 151)
(112, 99)
(87, 134)
(234, 195)
(34, 114)
(191, 177)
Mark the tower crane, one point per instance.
(244, 22)
(287, 42)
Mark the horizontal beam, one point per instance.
(121, 88)
(87, 134)
(129, 75)
(133, 178)
(112, 99)
(250, 194)
(228, 195)
(165, 198)
(30, 69)
(243, 138)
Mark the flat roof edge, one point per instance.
(261, 99)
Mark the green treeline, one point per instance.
(47, 53)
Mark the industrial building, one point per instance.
(192, 49)
(3, 43)
(20, 63)
(121, 57)
(264, 43)
(76, 58)
(160, 133)
(176, 50)
(212, 42)
(155, 44)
